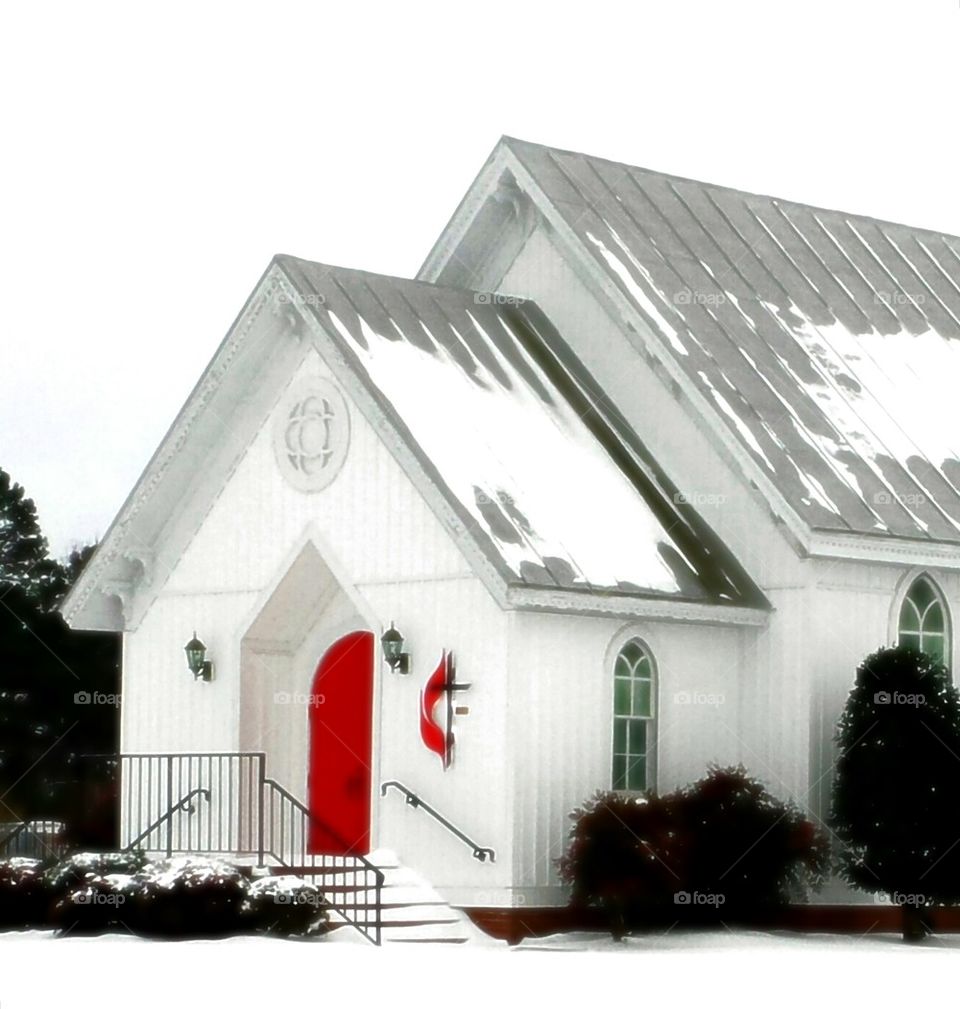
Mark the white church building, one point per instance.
(637, 470)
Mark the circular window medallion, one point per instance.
(311, 434)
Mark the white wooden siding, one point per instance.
(561, 717)
(401, 565)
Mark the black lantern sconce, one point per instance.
(196, 650)
(392, 643)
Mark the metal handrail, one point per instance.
(181, 803)
(30, 828)
(13, 835)
(337, 895)
(480, 852)
(251, 814)
(313, 818)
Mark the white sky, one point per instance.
(151, 164)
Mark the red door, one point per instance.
(341, 747)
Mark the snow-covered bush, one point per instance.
(23, 897)
(285, 905)
(99, 904)
(182, 897)
(74, 871)
(189, 896)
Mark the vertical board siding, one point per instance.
(474, 792)
(401, 565)
(561, 714)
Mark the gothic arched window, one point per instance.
(634, 718)
(923, 620)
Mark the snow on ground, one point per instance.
(711, 968)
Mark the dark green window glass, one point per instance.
(933, 622)
(909, 619)
(619, 735)
(619, 771)
(637, 735)
(922, 594)
(637, 773)
(642, 690)
(621, 699)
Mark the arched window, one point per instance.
(923, 621)
(634, 718)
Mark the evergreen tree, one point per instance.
(24, 561)
(58, 688)
(896, 795)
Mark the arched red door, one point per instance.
(341, 747)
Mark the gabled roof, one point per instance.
(470, 381)
(828, 344)
(533, 483)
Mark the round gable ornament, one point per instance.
(311, 434)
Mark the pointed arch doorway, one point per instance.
(340, 776)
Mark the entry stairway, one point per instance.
(410, 909)
(224, 804)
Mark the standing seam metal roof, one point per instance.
(554, 495)
(828, 343)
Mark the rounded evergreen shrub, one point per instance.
(748, 847)
(24, 899)
(623, 856)
(285, 905)
(722, 848)
(896, 794)
(98, 904)
(73, 872)
(190, 896)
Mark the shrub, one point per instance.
(896, 795)
(98, 904)
(758, 851)
(285, 905)
(623, 855)
(73, 872)
(190, 896)
(24, 899)
(722, 847)
(93, 892)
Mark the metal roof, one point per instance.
(554, 493)
(828, 343)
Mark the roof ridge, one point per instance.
(509, 142)
(282, 258)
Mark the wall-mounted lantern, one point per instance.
(392, 643)
(197, 664)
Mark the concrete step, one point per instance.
(410, 909)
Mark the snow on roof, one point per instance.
(533, 481)
(829, 344)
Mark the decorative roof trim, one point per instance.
(885, 550)
(547, 600)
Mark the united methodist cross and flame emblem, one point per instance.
(436, 727)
